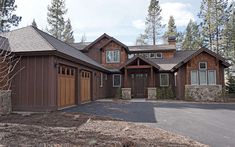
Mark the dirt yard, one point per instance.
(72, 129)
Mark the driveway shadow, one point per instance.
(129, 111)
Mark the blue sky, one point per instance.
(122, 19)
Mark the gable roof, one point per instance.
(30, 39)
(110, 39)
(217, 56)
(80, 45)
(141, 58)
(167, 64)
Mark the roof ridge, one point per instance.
(47, 42)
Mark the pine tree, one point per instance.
(171, 31)
(141, 40)
(55, 18)
(230, 86)
(7, 18)
(228, 44)
(153, 21)
(67, 35)
(212, 13)
(192, 39)
(34, 24)
(83, 39)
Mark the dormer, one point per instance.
(107, 51)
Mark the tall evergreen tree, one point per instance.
(83, 39)
(7, 17)
(171, 31)
(67, 35)
(192, 39)
(55, 18)
(153, 21)
(212, 13)
(229, 34)
(34, 24)
(141, 40)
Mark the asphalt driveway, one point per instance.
(212, 124)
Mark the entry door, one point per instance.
(139, 85)
(66, 86)
(85, 77)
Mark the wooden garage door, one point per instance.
(85, 86)
(66, 86)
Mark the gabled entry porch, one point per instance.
(139, 77)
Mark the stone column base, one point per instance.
(203, 92)
(5, 102)
(152, 93)
(126, 93)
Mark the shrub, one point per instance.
(230, 85)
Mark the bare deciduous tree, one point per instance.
(8, 62)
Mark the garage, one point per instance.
(85, 77)
(66, 86)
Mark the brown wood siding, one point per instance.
(111, 47)
(33, 88)
(4, 75)
(94, 51)
(168, 54)
(180, 81)
(212, 64)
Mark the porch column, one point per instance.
(125, 78)
(151, 78)
(126, 92)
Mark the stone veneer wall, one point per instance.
(5, 102)
(126, 93)
(203, 92)
(152, 92)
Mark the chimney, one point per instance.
(172, 40)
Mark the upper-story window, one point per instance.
(155, 55)
(203, 66)
(113, 56)
(158, 55)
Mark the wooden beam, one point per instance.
(125, 79)
(151, 77)
(138, 67)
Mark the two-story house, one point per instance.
(54, 75)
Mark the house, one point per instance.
(56, 75)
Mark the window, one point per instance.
(106, 77)
(101, 79)
(113, 56)
(152, 55)
(202, 66)
(164, 80)
(146, 55)
(194, 77)
(116, 80)
(158, 55)
(202, 77)
(211, 77)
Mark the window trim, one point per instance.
(208, 76)
(200, 66)
(167, 80)
(101, 79)
(120, 80)
(112, 52)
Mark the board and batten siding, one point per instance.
(34, 87)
